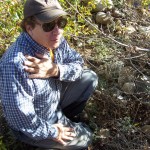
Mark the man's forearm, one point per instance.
(70, 71)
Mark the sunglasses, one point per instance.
(47, 27)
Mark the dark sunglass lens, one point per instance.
(62, 23)
(47, 27)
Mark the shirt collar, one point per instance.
(36, 47)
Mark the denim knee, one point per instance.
(90, 77)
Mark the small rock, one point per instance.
(98, 6)
(116, 13)
(79, 44)
(146, 129)
(126, 74)
(130, 29)
(129, 87)
(104, 133)
(143, 84)
(103, 18)
(144, 30)
(113, 69)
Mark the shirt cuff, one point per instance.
(61, 72)
(54, 132)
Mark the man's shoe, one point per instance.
(82, 117)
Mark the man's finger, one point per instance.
(41, 56)
(32, 59)
(31, 70)
(70, 134)
(30, 64)
(62, 142)
(36, 76)
(68, 138)
(67, 129)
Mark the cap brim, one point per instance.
(50, 15)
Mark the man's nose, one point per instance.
(56, 29)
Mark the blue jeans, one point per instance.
(74, 96)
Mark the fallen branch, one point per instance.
(120, 43)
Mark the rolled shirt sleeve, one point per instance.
(71, 66)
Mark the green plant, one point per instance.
(126, 124)
(11, 11)
(146, 3)
(2, 145)
(79, 17)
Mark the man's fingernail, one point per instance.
(64, 144)
(25, 67)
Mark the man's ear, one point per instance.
(28, 28)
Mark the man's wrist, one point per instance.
(54, 72)
(56, 131)
(57, 71)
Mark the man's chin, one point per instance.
(54, 45)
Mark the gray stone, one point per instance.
(103, 18)
(129, 87)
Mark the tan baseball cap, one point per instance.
(44, 10)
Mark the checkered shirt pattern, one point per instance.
(32, 105)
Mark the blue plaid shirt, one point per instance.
(32, 105)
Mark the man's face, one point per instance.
(49, 39)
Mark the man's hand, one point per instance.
(41, 67)
(65, 134)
